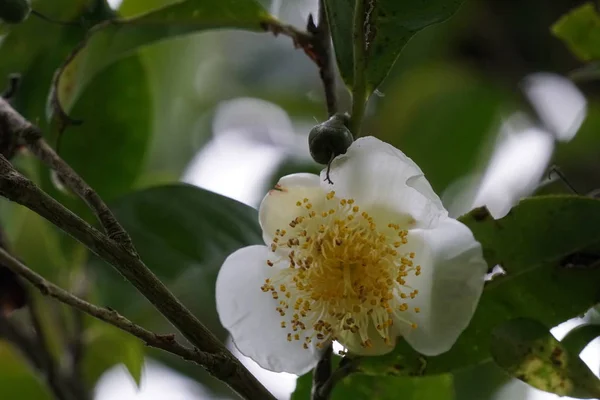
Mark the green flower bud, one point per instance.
(330, 139)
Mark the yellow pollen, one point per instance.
(341, 275)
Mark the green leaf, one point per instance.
(549, 250)
(108, 346)
(115, 39)
(580, 30)
(359, 387)
(430, 110)
(17, 379)
(526, 349)
(116, 127)
(389, 25)
(184, 234)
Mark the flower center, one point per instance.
(344, 273)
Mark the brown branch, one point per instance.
(163, 342)
(323, 392)
(322, 374)
(38, 146)
(20, 130)
(19, 189)
(316, 43)
(324, 60)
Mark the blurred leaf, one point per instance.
(538, 244)
(526, 349)
(361, 387)
(580, 30)
(108, 346)
(579, 337)
(441, 117)
(36, 242)
(35, 48)
(390, 25)
(482, 382)
(184, 234)
(17, 379)
(114, 39)
(108, 150)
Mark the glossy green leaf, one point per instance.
(389, 25)
(183, 234)
(115, 39)
(526, 349)
(361, 387)
(550, 252)
(108, 150)
(580, 30)
(109, 346)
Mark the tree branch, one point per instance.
(163, 342)
(324, 60)
(322, 374)
(359, 88)
(19, 189)
(323, 392)
(316, 43)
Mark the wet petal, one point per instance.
(279, 208)
(383, 179)
(450, 285)
(250, 317)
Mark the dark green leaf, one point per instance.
(580, 30)
(389, 25)
(550, 252)
(108, 150)
(112, 40)
(361, 387)
(526, 349)
(183, 233)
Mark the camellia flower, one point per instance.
(362, 261)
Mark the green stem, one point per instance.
(359, 88)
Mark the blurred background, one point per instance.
(483, 103)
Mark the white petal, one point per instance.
(352, 342)
(450, 285)
(250, 316)
(380, 177)
(279, 208)
(560, 105)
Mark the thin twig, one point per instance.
(37, 357)
(359, 86)
(19, 189)
(19, 129)
(164, 342)
(38, 146)
(324, 391)
(322, 374)
(324, 59)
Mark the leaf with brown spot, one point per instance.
(525, 349)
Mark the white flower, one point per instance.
(362, 261)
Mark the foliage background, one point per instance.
(230, 112)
